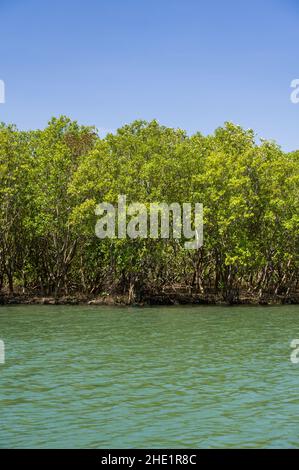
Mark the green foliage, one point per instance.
(51, 181)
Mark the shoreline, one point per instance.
(160, 299)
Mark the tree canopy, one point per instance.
(52, 179)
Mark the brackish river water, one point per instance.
(178, 377)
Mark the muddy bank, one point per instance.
(157, 299)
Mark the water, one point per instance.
(178, 377)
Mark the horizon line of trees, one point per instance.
(52, 179)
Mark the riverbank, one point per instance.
(174, 298)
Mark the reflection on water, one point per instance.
(173, 377)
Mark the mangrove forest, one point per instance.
(51, 181)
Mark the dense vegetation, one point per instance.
(52, 179)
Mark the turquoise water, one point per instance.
(176, 377)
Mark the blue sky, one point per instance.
(189, 64)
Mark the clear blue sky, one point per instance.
(188, 63)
